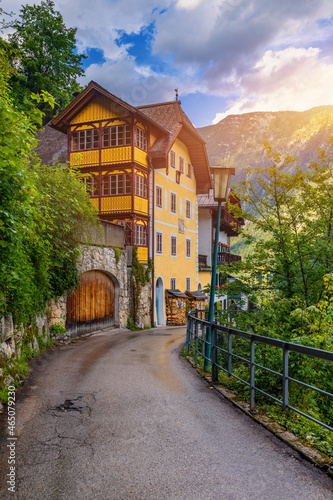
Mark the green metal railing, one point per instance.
(229, 349)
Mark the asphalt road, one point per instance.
(119, 415)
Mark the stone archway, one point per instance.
(159, 301)
(93, 303)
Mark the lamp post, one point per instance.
(221, 187)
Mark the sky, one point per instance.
(224, 56)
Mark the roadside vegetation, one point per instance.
(43, 208)
(287, 277)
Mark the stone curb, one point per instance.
(312, 455)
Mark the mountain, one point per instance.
(237, 140)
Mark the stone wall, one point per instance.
(11, 336)
(105, 259)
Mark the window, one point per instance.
(187, 209)
(140, 138)
(117, 135)
(189, 170)
(188, 247)
(85, 139)
(140, 235)
(159, 243)
(181, 164)
(119, 184)
(173, 203)
(173, 246)
(91, 184)
(173, 283)
(140, 186)
(172, 159)
(106, 185)
(188, 284)
(159, 200)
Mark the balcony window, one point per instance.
(140, 138)
(120, 184)
(140, 186)
(85, 139)
(140, 235)
(117, 135)
(91, 184)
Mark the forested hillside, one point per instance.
(237, 140)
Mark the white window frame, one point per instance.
(173, 283)
(172, 159)
(140, 138)
(188, 248)
(188, 209)
(159, 236)
(188, 283)
(140, 186)
(173, 237)
(173, 202)
(160, 190)
(181, 164)
(140, 236)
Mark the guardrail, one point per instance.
(227, 348)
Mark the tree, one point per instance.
(45, 57)
(42, 213)
(293, 214)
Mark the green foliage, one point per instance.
(43, 52)
(141, 275)
(18, 368)
(43, 210)
(131, 325)
(57, 328)
(117, 252)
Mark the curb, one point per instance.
(316, 457)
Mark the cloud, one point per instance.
(137, 85)
(291, 79)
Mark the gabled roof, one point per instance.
(93, 89)
(172, 118)
(168, 117)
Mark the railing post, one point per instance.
(188, 334)
(203, 341)
(196, 342)
(285, 378)
(229, 353)
(252, 374)
(215, 372)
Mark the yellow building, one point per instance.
(145, 166)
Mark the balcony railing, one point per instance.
(227, 258)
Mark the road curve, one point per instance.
(119, 415)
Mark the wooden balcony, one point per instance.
(227, 258)
(222, 258)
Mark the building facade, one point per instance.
(143, 167)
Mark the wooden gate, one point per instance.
(91, 305)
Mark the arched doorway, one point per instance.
(92, 304)
(159, 302)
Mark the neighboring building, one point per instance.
(144, 167)
(229, 227)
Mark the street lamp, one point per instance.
(221, 187)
